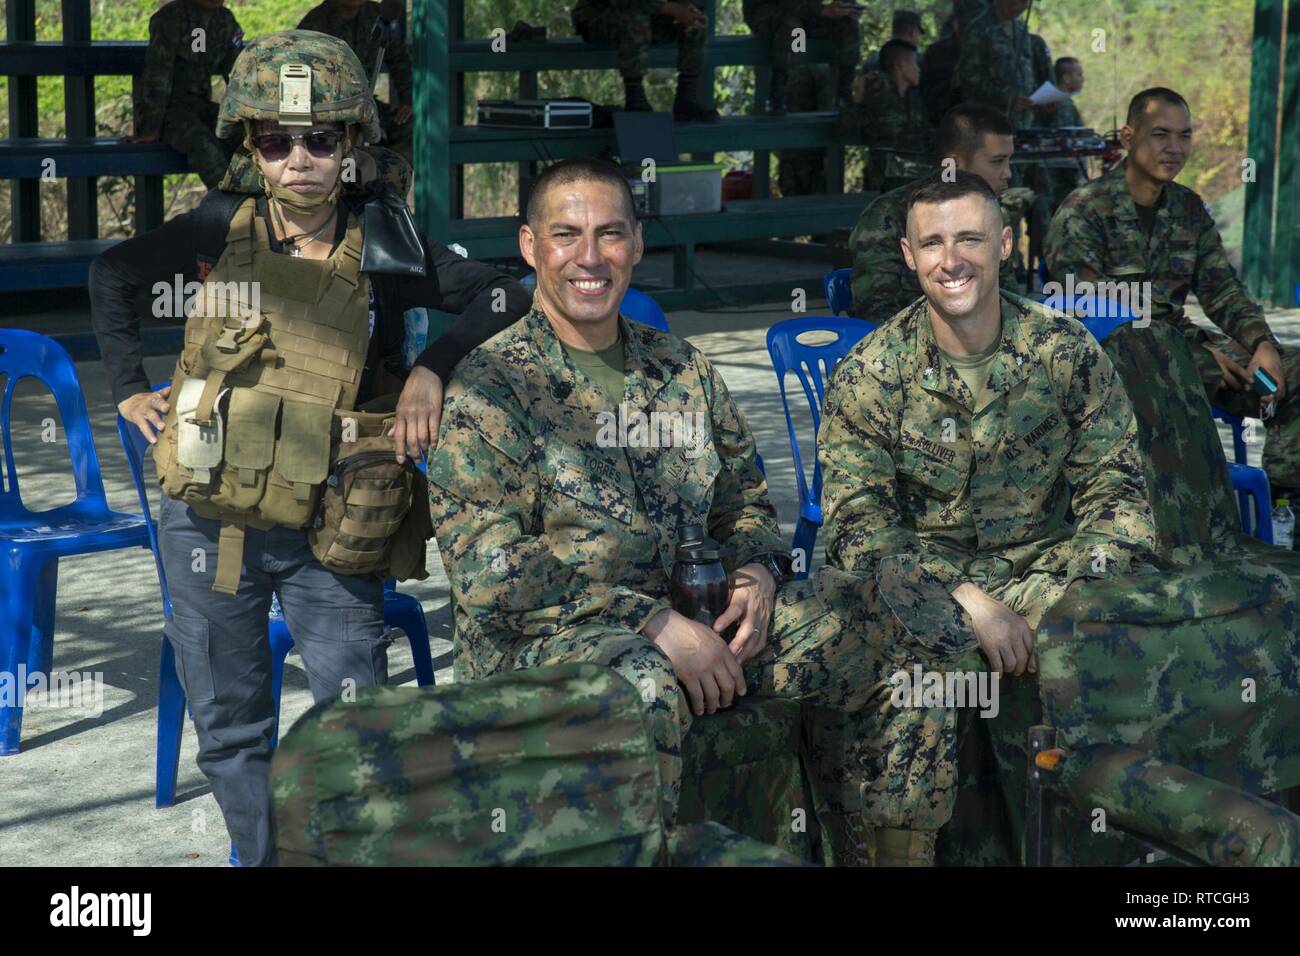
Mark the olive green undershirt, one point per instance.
(974, 370)
(605, 368)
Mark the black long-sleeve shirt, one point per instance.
(122, 276)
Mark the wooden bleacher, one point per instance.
(37, 265)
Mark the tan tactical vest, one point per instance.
(274, 351)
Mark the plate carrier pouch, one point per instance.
(274, 351)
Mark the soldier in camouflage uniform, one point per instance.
(558, 533)
(889, 111)
(776, 21)
(979, 140)
(190, 41)
(997, 61)
(802, 172)
(633, 26)
(1136, 225)
(361, 25)
(950, 441)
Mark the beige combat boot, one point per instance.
(905, 847)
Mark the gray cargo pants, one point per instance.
(224, 658)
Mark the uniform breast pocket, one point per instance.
(1182, 255)
(1036, 456)
(931, 475)
(589, 497)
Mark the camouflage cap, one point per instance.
(339, 90)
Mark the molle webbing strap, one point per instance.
(240, 238)
(230, 558)
(347, 272)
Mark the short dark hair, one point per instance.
(1064, 65)
(1138, 105)
(578, 169)
(963, 128)
(937, 188)
(905, 20)
(894, 52)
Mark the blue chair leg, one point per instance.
(405, 612)
(805, 537)
(40, 652)
(171, 723)
(1247, 515)
(16, 608)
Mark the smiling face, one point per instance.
(1161, 142)
(301, 170)
(955, 248)
(583, 247)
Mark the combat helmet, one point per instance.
(298, 77)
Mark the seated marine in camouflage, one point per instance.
(190, 41)
(888, 108)
(950, 441)
(976, 139)
(1136, 229)
(559, 531)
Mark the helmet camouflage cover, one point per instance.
(339, 90)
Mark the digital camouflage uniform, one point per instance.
(883, 121)
(633, 26)
(187, 47)
(367, 34)
(802, 172)
(997, 62)
(916, 483)
(881, 281)
(559, 547)
(776, 21)
(1097, 229)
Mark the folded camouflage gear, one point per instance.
(1177, 679)
(547, 765)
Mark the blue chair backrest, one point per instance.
(812, 364)
(839, 294)
(26, 354)
(639, 307)
(1100, 316)
(135, 445)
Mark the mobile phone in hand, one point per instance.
(1264, 384)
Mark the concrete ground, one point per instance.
(80, 793)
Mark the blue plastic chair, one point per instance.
(839, 294)
(400, 610)
(1103, 316)
(33, 542)
(639, 307)
(812, 364)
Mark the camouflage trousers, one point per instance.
(194, 134)
(1281, 459)
(634, 33)
(820, 652)
(914, 790)
(777, 27)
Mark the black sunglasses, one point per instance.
(274, 147)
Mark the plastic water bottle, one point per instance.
(417, 334)
(1284, 524)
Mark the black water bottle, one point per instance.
(699, 586)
